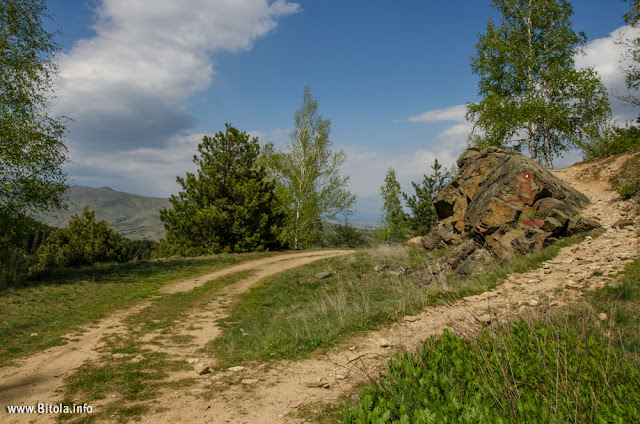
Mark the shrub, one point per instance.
(528, 372)
(20, 238)
(626, 190)
(346, 236)
(83, 242)
(618, 140)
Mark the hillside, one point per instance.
(133, 216)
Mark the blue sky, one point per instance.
(145, 79)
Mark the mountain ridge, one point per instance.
(131, 215)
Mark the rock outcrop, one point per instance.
(502, 202)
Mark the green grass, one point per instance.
(621, 303)
(571, 366)
(68, 299)
(126, 384)
(529, 371)
(306, 314)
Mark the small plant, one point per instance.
(526, 372)
(626, 190)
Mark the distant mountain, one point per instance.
(133, 216)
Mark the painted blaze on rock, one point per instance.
(504, 202)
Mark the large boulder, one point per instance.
(506, 203)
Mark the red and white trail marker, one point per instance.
(527, 176)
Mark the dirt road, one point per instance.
(39, 378)
(278, 392)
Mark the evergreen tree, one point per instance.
(531, 92)
(229, 204)
(424, 214)
(393, 223)
(308, 172)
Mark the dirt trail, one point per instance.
(39, 378)
(275, 394)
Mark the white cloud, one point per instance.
(606, 56)
(126, 87)
(454, 113)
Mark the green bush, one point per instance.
(618, 140)
(83, 242)
(528, 372)
(346, 236)
(626, 190)
(20, 238)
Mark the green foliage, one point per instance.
(20, 238)
(631, 58)
(308, 173)
(83, 242)
(32, 148)
(615, 141)
(527, 372)
(626, 190)
(346, 235)
(229, 205)
(393, 223)
(424, 215)
(531, 92)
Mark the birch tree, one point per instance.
(393, 222)
(532, 95)
(313, 187)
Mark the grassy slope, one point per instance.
(307, 313)
(593, 374)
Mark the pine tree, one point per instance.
(424, 214)
(393, 223)
(229, 205)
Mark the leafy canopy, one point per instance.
(32, 148)
(393, 222)
(531, 92)
(308, 171)
(227, 205)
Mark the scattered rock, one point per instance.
(236, 369)
(580, 224)
(315, 383)
(249, 381)
(119, 355)
(622, 223)
(33, 335)
(201, 368)
(324, 274)
(191, 361)
(533, 302)
(411, 319)
(415, 242)
(352, 348)
(137, 359)
(383, 342)
(484, 319)
(572, 285)
(379, 268)
(603, 317)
